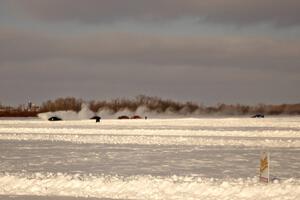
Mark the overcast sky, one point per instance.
(208, 51)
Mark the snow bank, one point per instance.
(146, 187)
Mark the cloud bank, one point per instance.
(206, 51)
(237, 12)
(118, 47)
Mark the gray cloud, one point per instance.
(41, 58)
(238, 12)
(18, 45)
(112, 47)
(42, 80)
(38, 66)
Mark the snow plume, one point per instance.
(84, 113)
(106, 113)
(141, 111)
(154, 107)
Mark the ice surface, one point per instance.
(149, 159)
(35, 197)
(131, 159)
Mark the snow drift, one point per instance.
(146, 187)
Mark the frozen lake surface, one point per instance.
(214, 158)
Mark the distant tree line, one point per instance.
(151, 104)
(61, 104)
(19, 111)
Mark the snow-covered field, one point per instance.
(214, 158)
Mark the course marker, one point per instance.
(264, 170)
